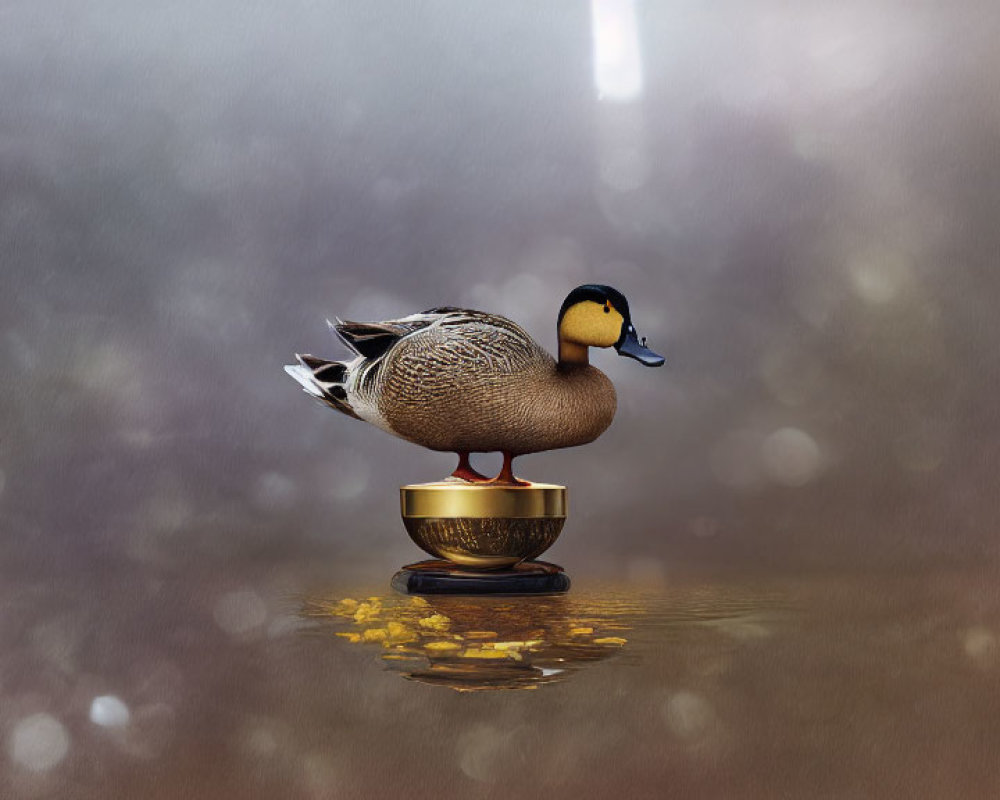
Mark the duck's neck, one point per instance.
(572, 354)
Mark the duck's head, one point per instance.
(593, 315)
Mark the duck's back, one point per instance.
(456, 384)
(479, 382)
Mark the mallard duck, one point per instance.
(464, 381)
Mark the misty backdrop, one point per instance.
(799, 200)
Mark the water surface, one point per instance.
(819, 686)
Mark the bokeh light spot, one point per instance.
(38, 743)
(980, 645)
(688, 715)
(791, 457)
(877, 277)
(617, 60)
(109, 711)
(240, 612)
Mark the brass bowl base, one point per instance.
(484, 543)
(481, 527)
(441, 577)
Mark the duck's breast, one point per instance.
(566, 408)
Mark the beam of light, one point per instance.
(617, 60)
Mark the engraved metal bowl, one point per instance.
(483, 527)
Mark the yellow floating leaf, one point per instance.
(351, 637)
(442, 646)
(509, 645)
(480, 635)
(611, 640)
(580, 631)
(366, 612)
(435, 622)
(374, 635)
(475, 652)
(419, 602)
(347, 604)
(400, 633)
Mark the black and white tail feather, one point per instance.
(346, 385)
(324, 380)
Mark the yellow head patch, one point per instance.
(591, 324)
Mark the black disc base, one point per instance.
(441, 577)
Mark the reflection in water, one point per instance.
(476, 643)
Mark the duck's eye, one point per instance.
(607, 309)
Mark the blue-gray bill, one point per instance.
(629, 345)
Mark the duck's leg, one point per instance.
(506, 476)
(464, 470)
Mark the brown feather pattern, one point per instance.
(467, 380)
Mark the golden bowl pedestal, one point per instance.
(486, 535)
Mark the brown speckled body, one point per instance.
(477, 382)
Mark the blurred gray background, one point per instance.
(799, 199)
(800, 202)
